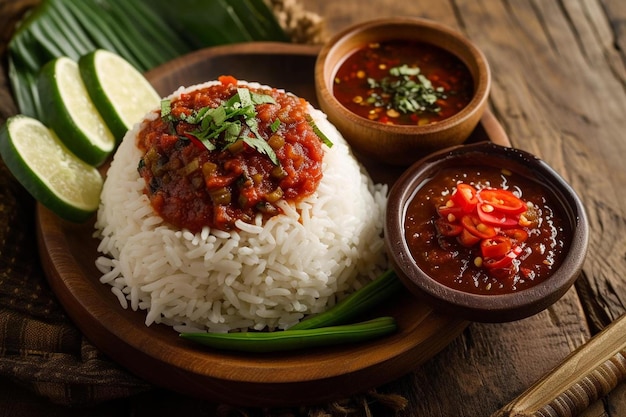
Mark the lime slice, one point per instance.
(68, 110)
(119, 91)
(48, 170)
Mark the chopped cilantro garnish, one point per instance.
(166, 110)
(325, 140)
(407, 91)
(275, 125)
(220, 127)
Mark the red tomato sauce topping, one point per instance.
(485, 230)
(193, 186)
(403, 82)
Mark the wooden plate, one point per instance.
(156, 353)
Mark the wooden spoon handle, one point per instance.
(587, 374)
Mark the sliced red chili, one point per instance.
(490, 216)
(445, 228)
(504, 261)
(445, 210)
(478, 228)
(502, 200)
(519, 235)
(498, 263)
(467, 239)
(465, 197)
(495, 247)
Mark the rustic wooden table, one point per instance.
(559, 91)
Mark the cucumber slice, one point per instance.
(54, 176)
(68, 110)
(119, 91)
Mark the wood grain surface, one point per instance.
(559, 91)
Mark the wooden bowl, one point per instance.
(400, 144)
(483, 307)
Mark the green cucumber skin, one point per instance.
(59, 120)
(31, 181)
(86, 66)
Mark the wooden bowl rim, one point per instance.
(479, 307)
(378, 29)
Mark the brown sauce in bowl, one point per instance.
(403, 82)
(449, 259)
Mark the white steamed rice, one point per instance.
(262, 276)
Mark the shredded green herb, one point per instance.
(220, 127)
(275, 125)
(325, 140)
(166, 111)
(407, 90)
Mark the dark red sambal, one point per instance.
(484, 230)
(403, 82)
(258, 147)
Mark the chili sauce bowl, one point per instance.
(449, 273)
(379, 135)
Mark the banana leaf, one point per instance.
(144, 32)
(208, 23)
